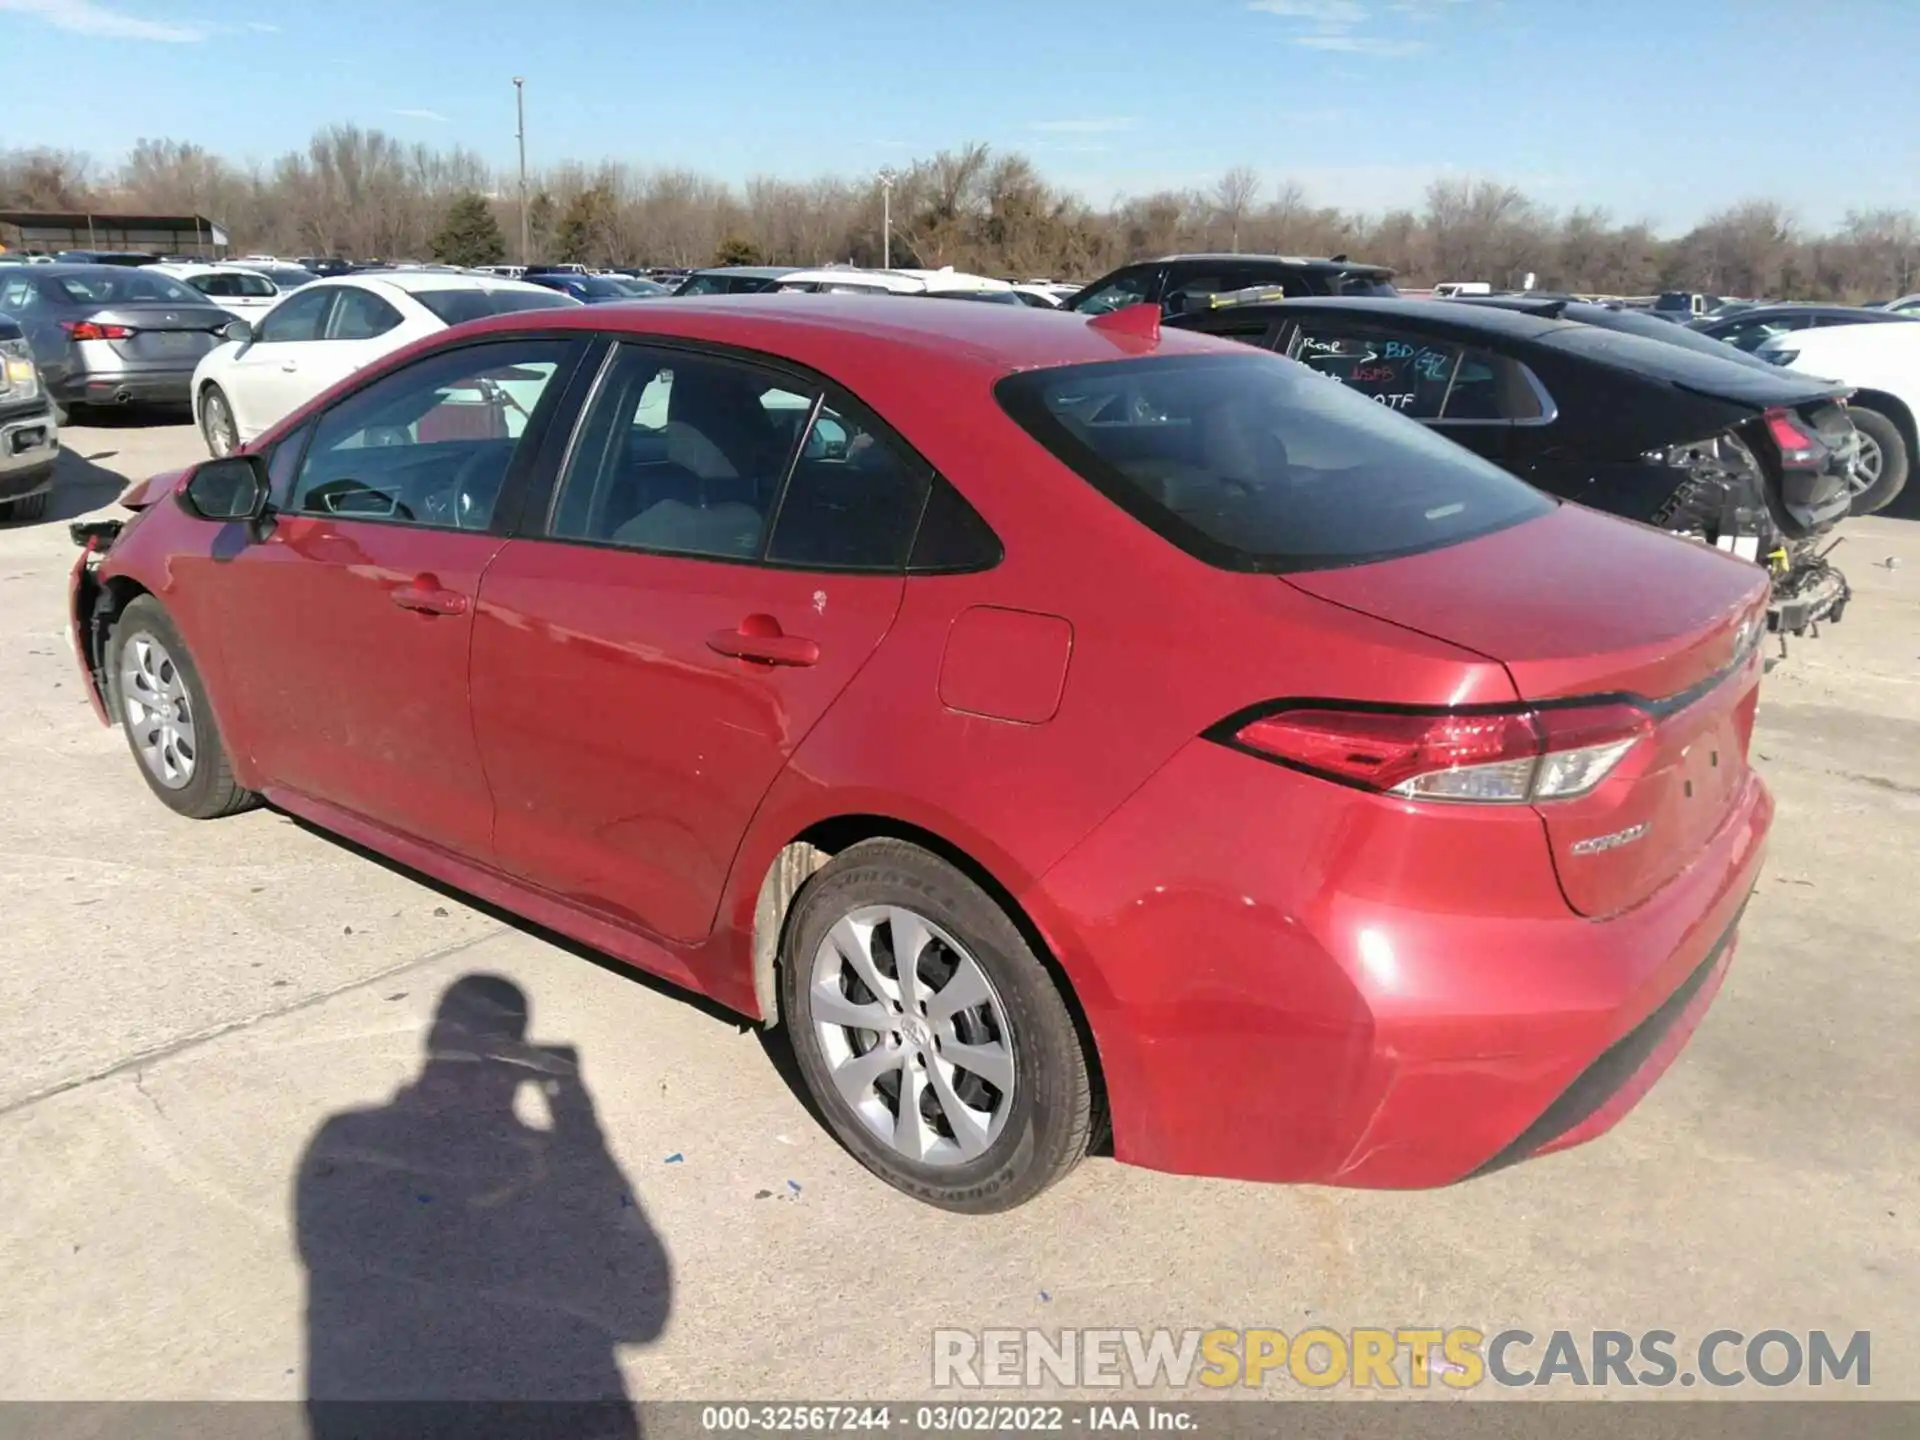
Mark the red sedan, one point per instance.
(1056, 724)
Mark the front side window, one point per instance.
(1129, 287)
(360, 315)
(681, 454)
(705, 285)
(297, 319)
(1252, 462)
(431, 443)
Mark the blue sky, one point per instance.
(1656, 109)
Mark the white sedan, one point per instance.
(236, 289)
(1882, 363)
(323, 332)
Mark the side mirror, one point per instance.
(238, 331)
(232, 488)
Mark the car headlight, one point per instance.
(19, 377)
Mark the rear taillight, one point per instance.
(1799, 448)
(1509, 757)
(92, 330)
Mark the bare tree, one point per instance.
(363, 193)
(1233, 197)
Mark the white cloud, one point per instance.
(1101, 126)
(1329, 13)
(432, 115)
(1360, 44)
(83, 17)
(1339, 26)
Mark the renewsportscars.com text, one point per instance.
(1459, 1358)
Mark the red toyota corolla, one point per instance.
(1055, 723)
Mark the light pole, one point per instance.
(887, 177)
(520, 134)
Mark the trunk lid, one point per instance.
(1579, 605)
(162, 334)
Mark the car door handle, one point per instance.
(760, 638)
(428, 596)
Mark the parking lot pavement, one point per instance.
(186, 1005)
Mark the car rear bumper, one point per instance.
(1335, 1007)
(29, 445)
(128, 386)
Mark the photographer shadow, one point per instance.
(459, 1256)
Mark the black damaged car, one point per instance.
(1723, 450)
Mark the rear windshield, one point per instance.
(455, 307)
(1252, 462)
(125, 287)
(1674, 300)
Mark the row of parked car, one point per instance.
(1660, 422)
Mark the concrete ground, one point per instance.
(183, 1006)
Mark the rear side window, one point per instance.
(1418, 376)
(852, 501)
(1251, 462)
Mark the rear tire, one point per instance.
(1882, 489)
(161, 702)
(217, 425)
(975, 1030)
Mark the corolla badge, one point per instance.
(1598, 843)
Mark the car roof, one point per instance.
(1301, 262)
(838, 333)
(417, 281)
(1487, 319)
(751, 272)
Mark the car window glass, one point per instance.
(283, 466)
(1222, 280)
(853, 500)
(1128, 288)
(952, 535)
(1491, 387)
(681, 454)
(705, 285)
(1403, 372)
(125, 287)
(431, 443)
(213, 284)
(1251, 463)
(360, 315)
(1750, 335)
(296, 319)
(17, 296)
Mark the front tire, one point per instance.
(217, 424)
(1881, 472)
(161, 702)
(931, 1037)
